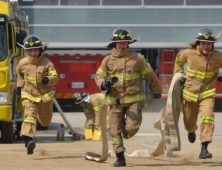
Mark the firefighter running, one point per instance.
(126, 98)
(203, 63)
(92, 106)
(36, 78)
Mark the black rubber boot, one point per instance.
(204, 154)
(29, 144)
(191, 137)
(121, 161)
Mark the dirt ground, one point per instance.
(50, 155)
(67, 155)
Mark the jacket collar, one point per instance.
(120, 53)
(199, 51)
(35, 61)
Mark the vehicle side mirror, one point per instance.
(20, 36)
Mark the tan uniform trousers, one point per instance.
(90, 119)
(132, 114)
(41, 111)
(205, 108)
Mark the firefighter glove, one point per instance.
(183, 80)
(157, 96)
(45, 80)
(18, 90)
(104, 86)
(110, 81)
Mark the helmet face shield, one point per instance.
(80, 97)
(206, 35)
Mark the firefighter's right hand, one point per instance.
(104, 86)
(18, 90)
(45, 80)
(183, 80)
(110, 81)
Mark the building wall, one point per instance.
(92, 21)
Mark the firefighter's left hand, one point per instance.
(18, 90)
(157, 96)
(45, 80)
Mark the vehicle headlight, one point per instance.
(4, 97)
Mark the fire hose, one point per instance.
(65, 119)
(104, 156)
(167, 124)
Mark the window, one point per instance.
(203, 2)
(81, 2)
(10, 36)
(121, 2)
(37, 2)
(3, 42)
(163, 2)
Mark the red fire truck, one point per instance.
(77, 72)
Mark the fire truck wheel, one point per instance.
(18, 126)
(7, 132)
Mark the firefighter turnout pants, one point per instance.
(35, 111)
(130, 117)
(205, 108)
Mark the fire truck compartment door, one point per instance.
(78, 70)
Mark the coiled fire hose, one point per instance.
(167, 124)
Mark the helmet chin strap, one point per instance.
(40, 52)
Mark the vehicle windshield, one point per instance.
(3, 42)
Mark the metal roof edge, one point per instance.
(180, 45)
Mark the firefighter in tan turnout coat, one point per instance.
(36, 76)
(203, 63)
(93, 107)
(126, 97)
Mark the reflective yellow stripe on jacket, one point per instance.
(199, 74)
(179, 62)
(33, 80)
(124, 77)
(194, 97)
(147, 70)
(102, 72)
(30, 97)
(98, 108)
(132, 76)
(48, 96)
(52, 73)
(127, 99)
